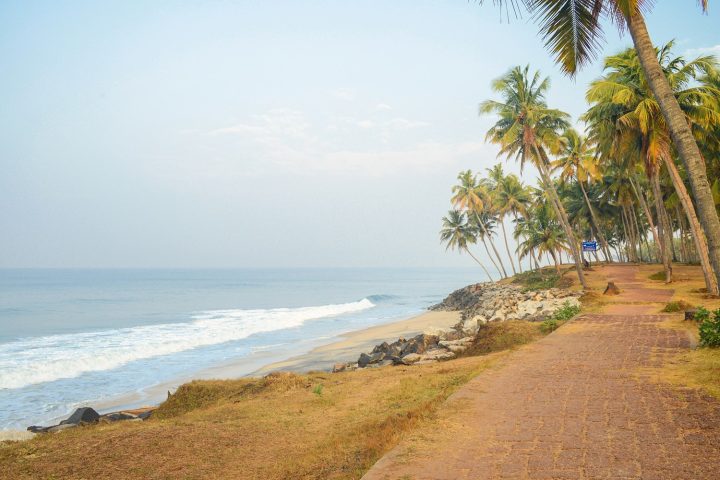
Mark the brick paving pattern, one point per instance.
(575, 405)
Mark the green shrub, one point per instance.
(542, 279)
(566, 312)
(318, 390)
(679, 306)
(549, 325)
(657, 276)
(561, 315)
(701, 314)
(710, 329)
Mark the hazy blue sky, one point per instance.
(256, 133)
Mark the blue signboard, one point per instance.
(589, 246)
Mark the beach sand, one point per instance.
(350, 345)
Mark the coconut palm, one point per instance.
(571, 31)
(622, 97)
(457, 235)
(468, 194)
(577, 161)
(484, 224)
(528, 130)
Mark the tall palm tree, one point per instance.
(457, 234)
(528, 130)
(468, 194)
(623, 96)
(572, 32)
(542, 232)
(577, 161)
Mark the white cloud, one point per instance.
(344, 94)
(289, 139)
(695, 52)
(382, 106)
(405, 124)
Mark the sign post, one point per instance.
(588, 247)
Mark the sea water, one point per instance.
(82, 337)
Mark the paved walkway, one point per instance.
(574, 405)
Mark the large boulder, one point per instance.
(82, 416)
(420, 344)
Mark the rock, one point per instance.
(36, 429)
(61, 427)
(420, 344)
(690, 314)
(117, 416)
(611, 289)
(81, 416)
(437, 354)
(339, 367)
(364, 360)
(411, 358)
(145, 415)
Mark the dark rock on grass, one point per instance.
(420, 344)
(61, 427)
(611, 289)
(145, 415)
(117, 416)
(82, 416)
(37, 429)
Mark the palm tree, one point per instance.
(527, 130)
(469, 194)
(542, 232)
(484, 224)
(510, 197)
(577, 161)
(623, 97)
(457, 234)
(571, 30)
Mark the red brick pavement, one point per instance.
(576, 404)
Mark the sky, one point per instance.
(273, 133)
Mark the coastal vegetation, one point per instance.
(623, 182)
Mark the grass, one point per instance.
(541, 279)
(285, 425)
(677, 306)
(657, 276)
(498, 336)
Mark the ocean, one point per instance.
(71, 338)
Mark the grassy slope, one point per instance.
(279, 427)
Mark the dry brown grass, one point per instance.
(498, 336)
(270, 428)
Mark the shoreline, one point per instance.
(344, 347)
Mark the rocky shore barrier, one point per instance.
(88, 416)
(480, 303)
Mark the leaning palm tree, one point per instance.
(457, 234)
(528, 130)
(483, 223)
(511, 197)
(468, 194)
(571, 30)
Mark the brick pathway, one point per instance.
(574, 405)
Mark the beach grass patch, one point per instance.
(677, 306)
(497, 336)
(657, 276)
(541, 279)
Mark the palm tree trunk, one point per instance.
(479, 263)
(663, 227)
(681, 135)
(507, 247)
(555, 260)
(562, 216)
(593, 217)
(648, 215)
(698, 236)
(482, 239)
(623, 216)
(499, 259)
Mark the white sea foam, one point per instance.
(45, 359)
